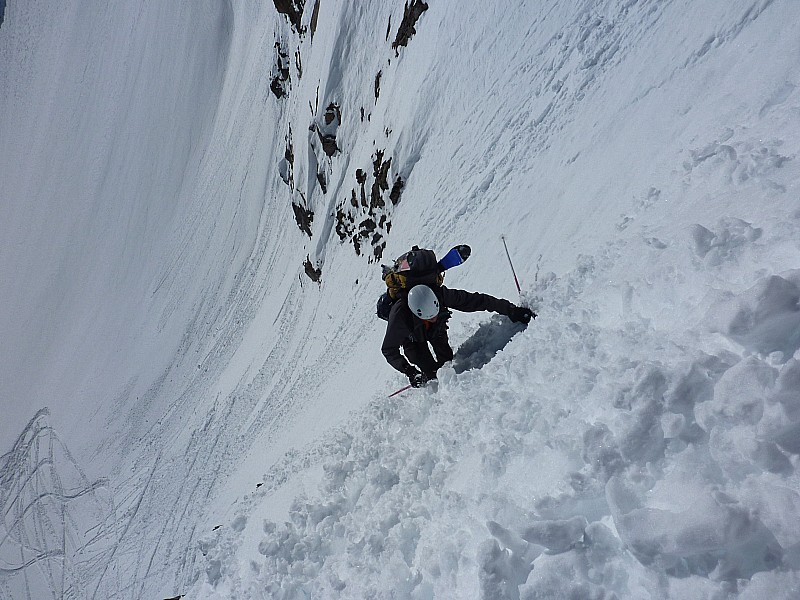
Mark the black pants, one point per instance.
(419, 354)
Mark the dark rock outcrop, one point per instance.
(411, 14)
(293, 10)
(281, 79)
(328, 144)
(286, 164)
(344, 224)
(323, 182)
(314, 19)
(304, 218)
(314, 274)
(333, 114)
(327, 132)
(362, 219)
(298, 63)
(378, 85)
(397, 190)
(380, 173)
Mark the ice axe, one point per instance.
(513, 272)
(403, 389)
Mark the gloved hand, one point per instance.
(521, 314)
(417, 379)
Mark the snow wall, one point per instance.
(197, 197)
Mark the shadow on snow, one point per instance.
(488, 340)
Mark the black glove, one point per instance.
(521, 314)
(417, 379)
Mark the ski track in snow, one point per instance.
(639, 440)
(46, 502)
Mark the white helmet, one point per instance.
(423, 302)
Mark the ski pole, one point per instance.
(513, 272)
(400, 390)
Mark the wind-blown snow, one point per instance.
(217, 425)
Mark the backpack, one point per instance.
(384, 307)
(418, 266)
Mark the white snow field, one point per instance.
(196, 199)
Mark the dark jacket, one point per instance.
(406, 328)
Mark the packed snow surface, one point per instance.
(197, 196)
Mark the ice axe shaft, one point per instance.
(513, 272)
(400, 390)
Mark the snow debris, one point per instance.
(766, 318)
(219, 428)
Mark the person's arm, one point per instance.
(396, 359)
(475, 301)
(396, 333)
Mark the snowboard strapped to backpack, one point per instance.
(418, 266)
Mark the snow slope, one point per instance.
(217, 423)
